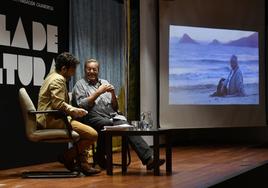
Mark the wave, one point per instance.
(209, 72)
(207, 60)
(197, 79)
(212, 54)
(203, 86)
(192, 87)
(191, 77)
(210, 61)
(198, 60)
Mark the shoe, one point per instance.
(87, 170)
(90, 171)
(150, 164)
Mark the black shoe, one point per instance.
(151, 165)
(88, 170)
(91, 171)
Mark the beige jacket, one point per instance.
(53, 95)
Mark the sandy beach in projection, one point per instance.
(200, 57)
(198, 95)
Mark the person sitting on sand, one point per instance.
(233, 85)
(234, 82)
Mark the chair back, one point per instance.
(27, 105)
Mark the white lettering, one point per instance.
(45, 6)
(39, 36)
(28, 68)
(4, 34)
(1, 76)
(25, 70)
(39, 69)
(10, 64)
(19, 39)
(52, 38)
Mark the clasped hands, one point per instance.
(106, 88)
(80, 112)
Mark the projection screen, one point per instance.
(211, 63)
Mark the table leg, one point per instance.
(124, 154)
(168, 154)
(156, 154)
(109, 155)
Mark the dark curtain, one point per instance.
(98, 30)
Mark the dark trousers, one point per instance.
(97, 122)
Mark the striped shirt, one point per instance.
(83, 89)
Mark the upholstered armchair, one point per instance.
(45, 135)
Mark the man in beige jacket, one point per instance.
(53, 95)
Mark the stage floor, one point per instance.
(193, 166)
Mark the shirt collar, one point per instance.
(98, 83)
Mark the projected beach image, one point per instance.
(213, 66)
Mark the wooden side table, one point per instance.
(125, 133)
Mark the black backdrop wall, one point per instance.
(32, 33)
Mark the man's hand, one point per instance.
(106, 88)
(78, 112)
(110, 88)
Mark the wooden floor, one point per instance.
(193, 166)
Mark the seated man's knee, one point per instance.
(90, 134)
(84, 131)
(94, 135)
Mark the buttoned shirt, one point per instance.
(83, 89)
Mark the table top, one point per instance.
(137, 132)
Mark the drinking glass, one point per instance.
(147, 120)
(136, 125)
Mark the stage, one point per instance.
(203, 165)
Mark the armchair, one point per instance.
(45, 135)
